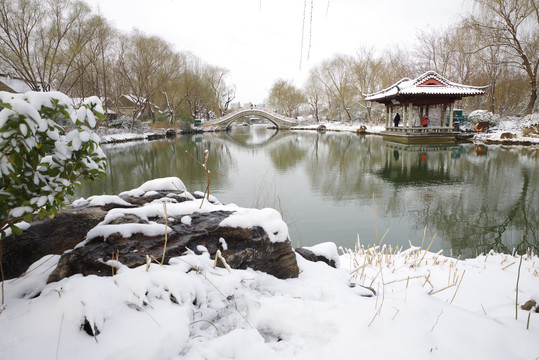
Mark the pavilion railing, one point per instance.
(420, 129)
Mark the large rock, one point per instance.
(48, 236)
(245, 248)
(198, 231)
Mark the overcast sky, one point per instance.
(259, 41)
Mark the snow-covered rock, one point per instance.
(158, 220)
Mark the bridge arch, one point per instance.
(281, 122)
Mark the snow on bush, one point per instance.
(41, 161)
(483, 115)
(530, 125)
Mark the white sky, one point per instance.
(259, 41)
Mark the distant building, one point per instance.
(127, 105)
(13, 84)
(234, 106)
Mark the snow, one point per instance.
(413, 87)
(516, 126)
(343, 127)
(327, 250)
(269, 219)
(223, 243)
(191, 310)
(100, 200)
(165, 184)
(127, 230)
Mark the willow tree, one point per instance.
(336, 76)
(285, 97)
(144, 64)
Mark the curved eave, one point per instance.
(442, 92)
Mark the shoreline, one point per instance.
(354, 129)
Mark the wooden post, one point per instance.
(410, 114)
(442, 121)
(451, 116)
(405, 115)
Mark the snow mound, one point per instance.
(428, 307)
(327, 250)
(164, 184)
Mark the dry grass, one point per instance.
(162, 125)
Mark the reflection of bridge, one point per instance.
(281, 122)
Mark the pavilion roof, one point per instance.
(430, 84)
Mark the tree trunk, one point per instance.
(533, 99)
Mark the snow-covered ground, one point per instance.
(343, 126)
(124, 137)
(518, 128)
(515, 126)
(427, 307)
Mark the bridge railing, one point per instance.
(254, 112)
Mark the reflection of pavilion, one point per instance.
(417, 164)
(418, 98)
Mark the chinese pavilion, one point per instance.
(414, 99)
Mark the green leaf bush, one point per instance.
(46, 147)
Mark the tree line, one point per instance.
(63, 45)
(496, 45)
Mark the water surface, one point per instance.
(340, 187)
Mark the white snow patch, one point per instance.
(127, 230)
(269, 219)
(190, 310)
(202, 249)
(165, 184)
(102, 200)
(211, 198)
(327, 250)
(186, 220)
(223, 243)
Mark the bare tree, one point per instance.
(41, 41)
(215, 76)
(314, 94)
(512, 26)
(434, 51)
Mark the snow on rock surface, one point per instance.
(269, 219)
(165, 184)
(327, 250)
(428, 307)
(100, 200)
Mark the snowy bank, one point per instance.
(515, 131)
(427, 306)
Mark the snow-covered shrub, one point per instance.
(39, 162)
(477, 116)
(530, 125)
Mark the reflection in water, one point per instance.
(473, 198)
(256, 134)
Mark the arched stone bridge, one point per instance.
(281, 122)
